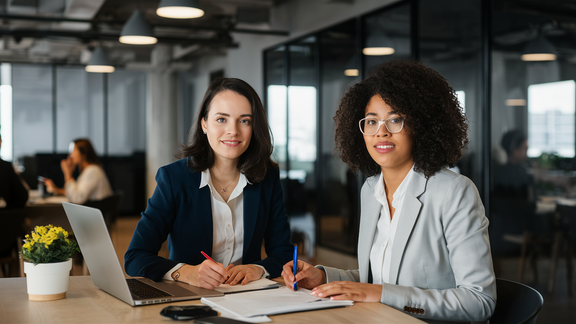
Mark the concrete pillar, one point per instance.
(161, 111)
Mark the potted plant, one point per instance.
(47, 256)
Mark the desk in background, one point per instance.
(85, 303)
(44, 211)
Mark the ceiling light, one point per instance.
(137, 31)
(515, 102)
(179, 9)
(539, 49)
(350, 69)
(351, 72)
(378, 43)
(515, 98)
(99, 62)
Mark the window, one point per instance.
(551, 118)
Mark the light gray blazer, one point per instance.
(441, 266)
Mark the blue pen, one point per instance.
(295, 265)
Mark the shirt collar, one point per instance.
(205, 180)
(379, 189)
(402, 187)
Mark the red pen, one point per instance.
(206, 256)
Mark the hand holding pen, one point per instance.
(208, 274)
(307, 276)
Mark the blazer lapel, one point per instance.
(410, 211)
(251, 204)
(202, 202)
(371, 209)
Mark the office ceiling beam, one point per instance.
(180, 26)
(89, 35)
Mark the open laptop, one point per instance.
(94, 241)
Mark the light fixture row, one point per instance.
(136, 31)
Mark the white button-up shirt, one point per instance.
(386, 229)
(228, 224)
(228, 221)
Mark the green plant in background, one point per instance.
(549, 161)
(48, 244)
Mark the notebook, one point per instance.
(261, 303)
(259, 284)
(94, 241)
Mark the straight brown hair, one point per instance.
(255, 161)
(87, 150)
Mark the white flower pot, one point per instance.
(47, 281)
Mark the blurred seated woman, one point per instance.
(92, 183)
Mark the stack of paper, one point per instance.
(271, 302)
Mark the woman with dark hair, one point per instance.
(92, 183)
(223, 198)
(423, 243)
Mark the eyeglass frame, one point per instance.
(380, 122)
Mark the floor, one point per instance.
(558, 307)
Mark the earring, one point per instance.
(204, 132)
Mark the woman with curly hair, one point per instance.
(423, 243)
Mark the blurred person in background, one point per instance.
(92, 183)
(12, 190)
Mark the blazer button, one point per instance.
(421, 311)
(405, 308)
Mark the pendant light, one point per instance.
(179, 9)
(539, 49)
(137, 31)
(515, 98)
(378, 43)
(99, 62)
(350, 67)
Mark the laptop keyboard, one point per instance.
(143, 290)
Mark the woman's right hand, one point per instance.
(208, 274)
(67, 166)
(307, 276)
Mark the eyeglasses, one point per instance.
(371, 125)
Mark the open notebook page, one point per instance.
(272, 302)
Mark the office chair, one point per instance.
(11, 235)
(516, 303)
(565, 234)
(109, 207)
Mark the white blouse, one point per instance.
(228, 225)
(92, 184)
(386, 229)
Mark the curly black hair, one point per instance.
(432, 114)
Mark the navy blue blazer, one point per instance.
(181, 211)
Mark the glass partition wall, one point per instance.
(521, 113)
(532, 124)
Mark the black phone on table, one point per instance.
(188, 312)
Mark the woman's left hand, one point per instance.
(348, 290)
(243, 274)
